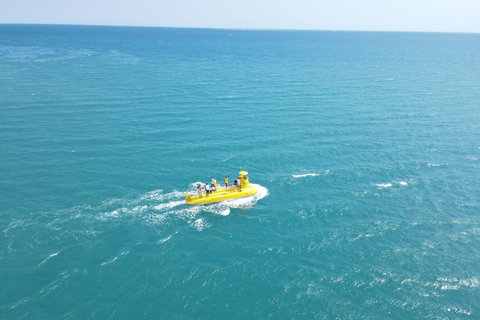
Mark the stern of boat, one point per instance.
(188, 199)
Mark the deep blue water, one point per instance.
(365, 147)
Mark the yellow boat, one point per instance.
(221, 194)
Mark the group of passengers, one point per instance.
(208, 188)
(213, 186)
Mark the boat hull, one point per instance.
(222, 195)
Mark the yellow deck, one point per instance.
(222, 194)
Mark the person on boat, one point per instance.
(226, 183)
(199, 190)
(236, 184)
(214, 184)
(207, 189)
(239, 183)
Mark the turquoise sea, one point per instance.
(365, 147)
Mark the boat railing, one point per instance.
(227, 189)
(219, 188)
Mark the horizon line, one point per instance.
(236, 28)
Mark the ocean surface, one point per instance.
(365, 147)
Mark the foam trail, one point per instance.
(167, 209)
(384, 185)
(169, 205)
(388, 185)
(225, 212)
(305, 175)
(223, 207)
(433, 165)
(50, 256)
(114, 259)
(166, 239)
(199, 224)
(118, 208)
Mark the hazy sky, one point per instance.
(386, 15)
